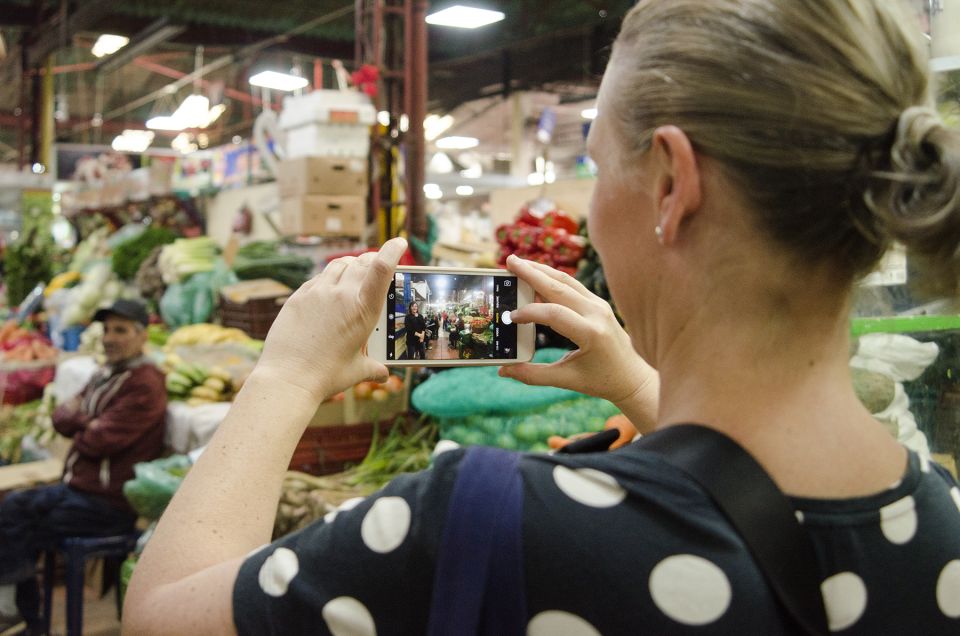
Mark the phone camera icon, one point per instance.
(391, 296)
(507, 283)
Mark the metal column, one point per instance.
(391, 35)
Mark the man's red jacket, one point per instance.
(119, 422)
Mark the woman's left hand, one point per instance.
(317, 342)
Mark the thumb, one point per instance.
(532, 374)
(374, 371)
(373, 290)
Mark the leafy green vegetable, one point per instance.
(129, 255)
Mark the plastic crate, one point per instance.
(254, 317)
(330, 449)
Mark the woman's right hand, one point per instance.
(604, 365)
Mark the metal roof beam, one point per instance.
(156, 33)
(85, 17)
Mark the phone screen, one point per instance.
(451, 317)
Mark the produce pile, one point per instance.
(28, 262)
(198, 385)
(205, 334)
(22, 345)
(543, 234)
(130, 255)
(530, 430)
(26, 421)
(187, 256)
(376, 391)
(305, 498)
(262, 259)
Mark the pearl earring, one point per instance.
(659, 232)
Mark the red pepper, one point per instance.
(527, 217)
(559, 219)
(551, 238)
(529, 237)
(543, 257)
(503, 234)
(570, 250)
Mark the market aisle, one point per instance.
(440, 349)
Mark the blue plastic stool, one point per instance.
(76, 551)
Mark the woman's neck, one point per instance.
(783, 391)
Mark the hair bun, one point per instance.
(916, 198)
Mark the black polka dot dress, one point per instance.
(615, 543)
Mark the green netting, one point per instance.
(468, 391)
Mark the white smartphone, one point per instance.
(442, 317)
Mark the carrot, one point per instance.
(627, 430)
(557, 442)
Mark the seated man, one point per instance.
(115, 422)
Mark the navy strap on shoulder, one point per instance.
(761, 514)
(479, 582)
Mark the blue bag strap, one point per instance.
(478, 585)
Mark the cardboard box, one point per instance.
(322, 175)
(324, 215)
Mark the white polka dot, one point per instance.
(924, 464)
(443, 446)
(690, 589)
(277, 571)
(346, 616)
(589, 487)
(845, 598)
(386, 524)
(557, 623)
(349, 504)
(955, 493)
(948, 589)
(799, 514)
(899, 521)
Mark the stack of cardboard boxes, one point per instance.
(323, 196)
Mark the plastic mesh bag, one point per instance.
(479, 390)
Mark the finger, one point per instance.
(558, 374)
(561, 319)
(357, 271)
(554, 287)
(332, 272)
(373, 290)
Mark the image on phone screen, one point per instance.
(451, 317)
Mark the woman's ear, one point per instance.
(677, 180)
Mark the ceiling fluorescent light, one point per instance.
(464, 17)
(133, 141)
(278, 81)
(457, 143)
(164, 122)
(589, 113)
(194, 112)
(464, 190)
(108, 44)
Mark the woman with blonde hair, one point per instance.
(756, 157)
